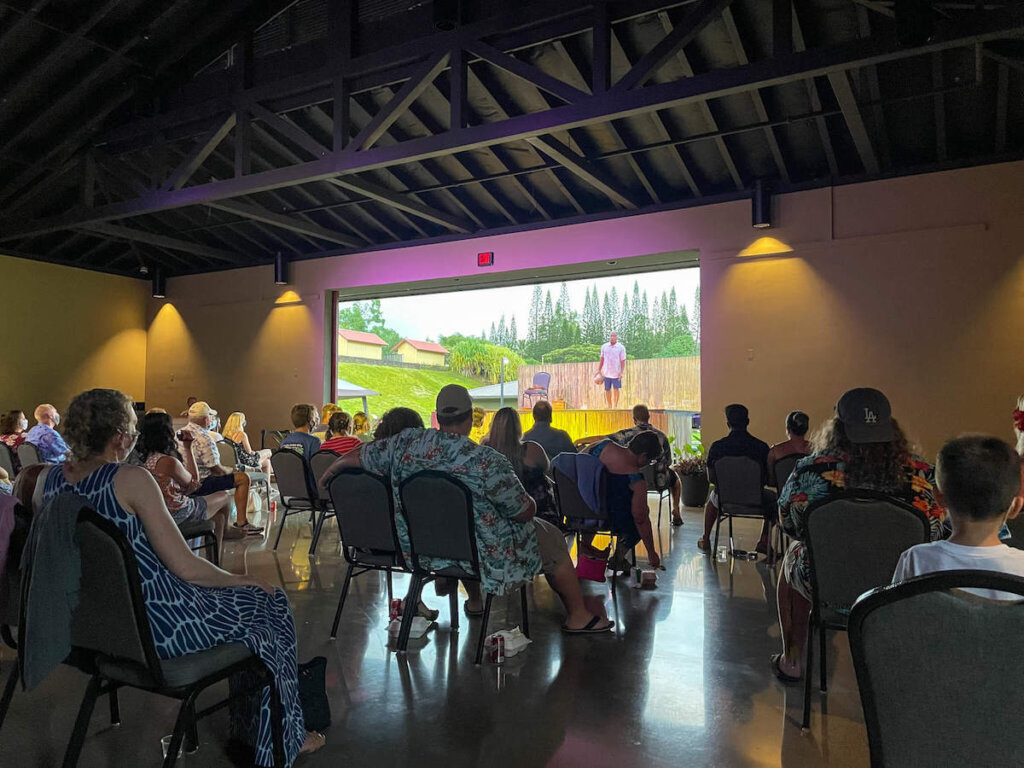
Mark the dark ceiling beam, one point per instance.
(840, 82)
(940, 107)
(1002, 87)
(14, 31)
(755, 95)
(870, 75)
(198, 154)
(531, 74)
(163, 241)
(697, 18)
(402, 202)
(586, 170)
(877, 7)
(288, 129)
(815, 101)
(398, 104)
(598, 108)
(64, 33)
(292, 223)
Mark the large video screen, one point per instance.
(592, 347)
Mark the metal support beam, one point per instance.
(406, 95)
(601, 79)
(782, 27)
(521, 69)
(940, 108)
(702, 14)
(815, 100)
(401, 202)
(1002, 87)
(287, 128)
(854, 120)
(589, 172)
(870, 75)
(199, 153)
(163, 241)
(292, 223)
(341, 125)
(243, 144)
(458, 111)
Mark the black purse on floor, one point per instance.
(316, 710)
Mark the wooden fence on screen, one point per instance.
(669, 382)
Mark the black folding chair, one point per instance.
(738, 481)
(927, 641)
(781, 470)
(293, 485)
(111, 633)
(7, 461)
(438, 512)
(320, 462)
(205, 532)
(365, 511)
(28, 455)
(853, 542)
(257, 478)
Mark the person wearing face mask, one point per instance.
(12, 433)
(45, 437)
(192, 605)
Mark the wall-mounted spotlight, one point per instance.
(761, 206)
(280, 269)
(159, 284)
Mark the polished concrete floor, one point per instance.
(685, 681)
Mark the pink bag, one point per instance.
(591, 568)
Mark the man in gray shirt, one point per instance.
(553, 441)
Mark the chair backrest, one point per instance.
(854, 542)
(319, 462)
(738, 480)
(28, 455)
(365, 508)
(542, 379)
(7, 460)
(228, 453)
(438, 512)
(924, 642)
(784, 467)
(571, 503)
(290, 474)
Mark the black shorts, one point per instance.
(214, 484)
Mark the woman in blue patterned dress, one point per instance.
(192, 605)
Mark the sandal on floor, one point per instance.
(590, 629)
(248, 528)
(783, 677)
(234, 532)
(319, 741)
(677, 521)
(470, 612)
(706, 547)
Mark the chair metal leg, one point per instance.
(453, 610)
(317, 527)
(115, 710)
(12, 685)
(191, 732)
(822, 662)
(211, 550)
(185, 714)
(483, 629)
(74, 749)
(526, 612)
(341, 601)
(280, 528)
(732, 541)
(391, 587)
(718, 525)
(412, 600)
(277, 726)
(808, 665)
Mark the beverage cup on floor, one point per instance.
(723, 554)
(165, 744)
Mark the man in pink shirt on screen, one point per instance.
(611, 366)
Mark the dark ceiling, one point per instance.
(193, 137)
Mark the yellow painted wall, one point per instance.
(348, 348)
(66, 330)
(410, 354)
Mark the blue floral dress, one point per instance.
(185, 618)
(508, 549)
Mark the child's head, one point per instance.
(979, 478)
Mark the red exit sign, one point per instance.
(485, 259)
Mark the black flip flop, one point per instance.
(590, 629)
(471, 613)
(677, 521)
(783, 677)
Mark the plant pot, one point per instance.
(693, 490)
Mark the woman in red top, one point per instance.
(12, 433)
(339, 434)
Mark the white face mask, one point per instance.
(56, 419)
(23, 423)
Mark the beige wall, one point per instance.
(348, 348)
(410, 354)
(66, 330)
(914, 285)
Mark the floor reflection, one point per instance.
(685, 680)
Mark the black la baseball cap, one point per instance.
(866, 416)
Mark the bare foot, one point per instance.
(703, 545)
(314, 741)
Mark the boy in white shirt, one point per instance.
(978, 482)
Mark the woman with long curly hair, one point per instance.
(861, 447)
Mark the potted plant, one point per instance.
(692, 469)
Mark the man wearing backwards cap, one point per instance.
(862, 447)
(513, 545)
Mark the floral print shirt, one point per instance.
(507, 549)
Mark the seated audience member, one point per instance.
(45, 437)
(214, 476)
(182, 590)
(513, 544)
(396, 420)
(478, 433)
(659, 473)
(6, 486)
(796, 442)
(188, 404)
(1018, 428)
(361, 426)
(301, 440)
(234, 430)
(529, 461)
(325, 417)
(12, 433)
(738, 442)
(339, 438)
(862, 446)
(627, 495)
(177, 476)
(553, 441)
(978, 481)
